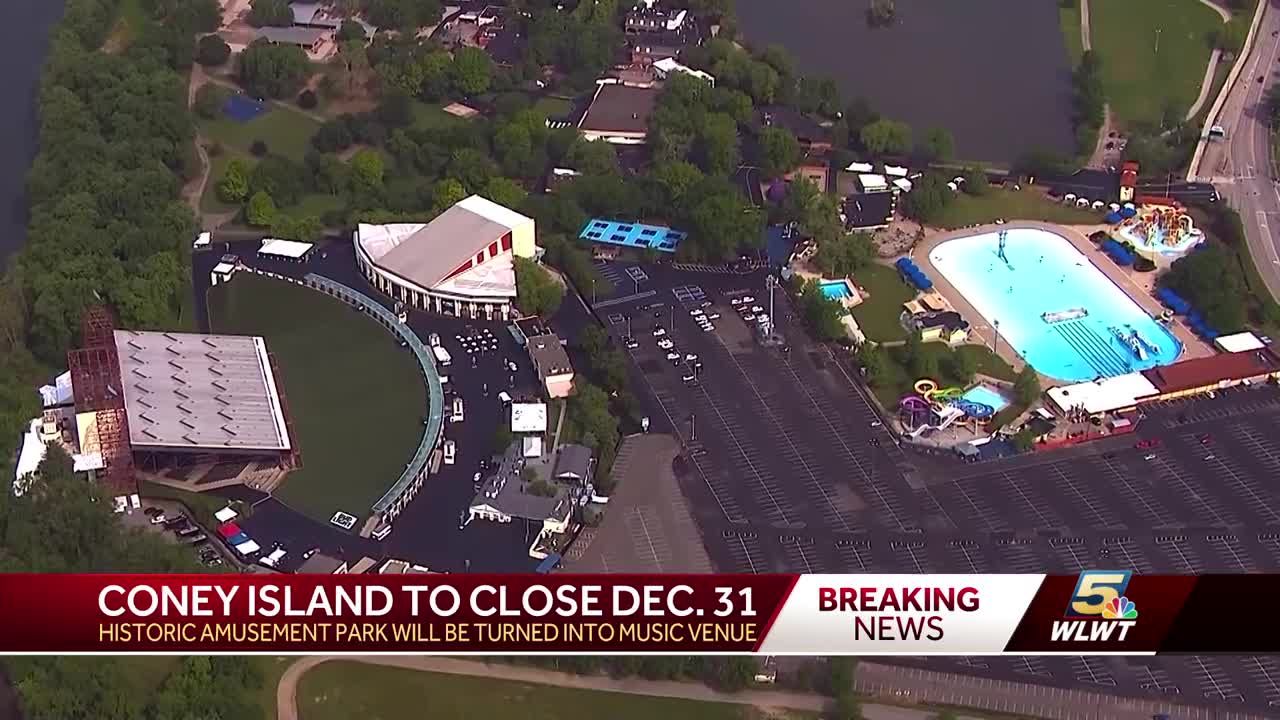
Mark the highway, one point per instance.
(1241, 167)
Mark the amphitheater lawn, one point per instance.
(355, 396)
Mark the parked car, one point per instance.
(673, 356)
(666, 344)
(659, 331)
(630, 342)
(158, 519)
(713, 316)
(748, 299)
(450, 452)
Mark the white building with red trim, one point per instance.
(461, 263)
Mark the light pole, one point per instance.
(593, 290)
(995, 338)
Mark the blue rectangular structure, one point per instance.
(632, 235)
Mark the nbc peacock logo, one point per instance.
(1121, 608)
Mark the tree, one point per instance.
(938, 144)
(847, 707)
(1210, 279)
(840, 674)
(779, 151)
(445, 194)
(928, 198)
(212, 51)
(209, 100)
(975, 181)
(351, 31)
(537, 293)
(886, 137)
(396, 109)
(307, 228)
(822, 313)
(962, 366)
(1027, 385)
(234, 185)
(367, 170)
(472, 71)
(273, 70)
(843, 255)
(504, 191)
(592, 158)
(261, 211)
(263, 13)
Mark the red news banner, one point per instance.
(1092, 612)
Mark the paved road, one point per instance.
(287, 690)
(1241, 167)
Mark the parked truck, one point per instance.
(442, 355)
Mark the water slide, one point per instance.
(934, 408)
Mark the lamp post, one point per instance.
(995, 338)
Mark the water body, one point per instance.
(23, 44)
(994, 72)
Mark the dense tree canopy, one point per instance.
(272, 70)
(1210, 280)
(537, 293)
(885, 136)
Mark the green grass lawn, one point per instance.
(988, 363)
(553, 106)
(1069, 19)
(286, 132)
(315, 204)
(878, 315)
(209, 201)
(341, 690)
(1027, 204)
(356, 398)
(147, 672)
(1153, 52)
(432, 117)
(201, 505)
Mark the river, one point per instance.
(24, 40)
(994, 72)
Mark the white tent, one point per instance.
(203, 240)
(248, 547)
(59, 393)
(902, 184)
(528, 417)
(291, 249)
(895, 170)
(872, 183)
(226, 514)
(859, 167)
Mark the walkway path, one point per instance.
(1223, 12)
(287, 690)
(1207, 84)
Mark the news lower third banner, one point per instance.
(1098, 611)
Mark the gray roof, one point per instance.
(548, 355)
(620, 108)
(573, 461)
(186, 390)
(292, 35)
(431, 252)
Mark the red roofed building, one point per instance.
(1128, 181)
(1192, 377)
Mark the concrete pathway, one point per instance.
(1207, 84)
(1223, 12)
(287, 690)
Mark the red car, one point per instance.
(1150, 443)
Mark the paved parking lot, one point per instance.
(788, 472)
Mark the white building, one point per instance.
(460, 263)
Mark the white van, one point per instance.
(382, 532)
(457, 410)
(450, 452)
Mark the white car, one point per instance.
(450, 452)
(476, 479)
(749, 317)
(708, 327)
(695, 312)
(691, 357)
(659, 332)
(748, 299)
(757, 309)
(713, 316)
(512, 366)
(673, 356)
(433, 339)
(666, 344)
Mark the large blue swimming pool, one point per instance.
(1062, 314)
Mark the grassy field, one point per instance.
(356, 397)
(1028, 204)
(1153, 52)
(339, 690)
(1069, 19)
(553, 107)
(209, 202)
(147, 672)
(878, 315)
(286, 132)
(432, 117)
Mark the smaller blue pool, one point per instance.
(986, 395)
(835, 289)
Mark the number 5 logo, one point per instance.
(1094, 590)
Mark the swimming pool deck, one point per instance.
(1138, 286)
